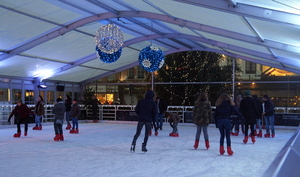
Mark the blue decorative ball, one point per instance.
(151, 58)
(108, 58)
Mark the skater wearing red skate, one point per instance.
(269, 116)
(39, 112)
(146, 110)
(173, 119)
(224, 109)
(259, 119)
(202, 116)
(95, 108)
(248, 108)
(68, 104)
(75, 113)
(58, 111)
(21, 113)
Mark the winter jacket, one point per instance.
(162, 106)
(39, 108)
(202, 113)
(225, 110)
(146, 109)
(68, 104)
(94, 103)
(59, 111)
(174, 118)
(75, 111)
(259, 107)
(248, 108)
(269, 108)
(21, 112)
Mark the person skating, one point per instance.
(58, 111)
(259, 119)
(21, 113)
(248, 109)
(75, 113)
(39, 112)
(173, 119)
(146, 111)
(95, 108)
(68, 104)
(202, 116)
(269, 116)
(161, 108)
(224, 109)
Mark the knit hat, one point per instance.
(247, 93)
(266, 96)
(19, 100)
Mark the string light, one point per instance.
(108, 58)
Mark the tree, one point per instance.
(194, 66)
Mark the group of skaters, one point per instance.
(62, 110)
(248, 112)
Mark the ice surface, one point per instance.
(103, 150)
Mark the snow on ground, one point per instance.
(103, 149)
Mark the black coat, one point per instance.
(146, 108)
(162, 106)
(249, 110)
(259, 107)
(269, 108)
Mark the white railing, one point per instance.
(109, 112)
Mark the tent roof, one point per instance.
(55, 39)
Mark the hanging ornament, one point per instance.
(109, 38)
(151, 58)
(108, 58)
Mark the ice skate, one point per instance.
(267, 135)
(72, 130)
(61, 137)
(156, 133)
(207, 144)
(196, 144)
(144, 147)
(132, 148)
(68, 127)
(35, 128)
(76, 131)
(245, 139)
(17, 135)
(40, 127)
(57, 137)
(229, 151)
(25, 133)
(222, 151)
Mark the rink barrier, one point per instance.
(110, 112)
(287, 161)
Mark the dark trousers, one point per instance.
(247, 128)
(75, 122)
(58, 128)
(95, 114)
(224, 126)
(139, 129)
(25, 121)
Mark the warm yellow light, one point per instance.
(253, 83)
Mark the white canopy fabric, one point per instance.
(54, 40)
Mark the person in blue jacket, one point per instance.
(146, 109)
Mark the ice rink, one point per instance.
(103, 150)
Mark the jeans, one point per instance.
(68, 116)
(199, 128)
(75, 122)
(58, 128)
(159, 120)
(270, 123)
(174, 126)
(139, 129)
(38, 120)
(224, 126)
(25, 121)
(258, 123)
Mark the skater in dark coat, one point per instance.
(249, 111)
(68, 104)
(58, 111)
(259, 119)
(95, 108)
(21, 113)
(146, 111)
(224, 109)
(75, 113)
(39, 112)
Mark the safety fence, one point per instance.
(284, 115)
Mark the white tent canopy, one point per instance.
(55, 39)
